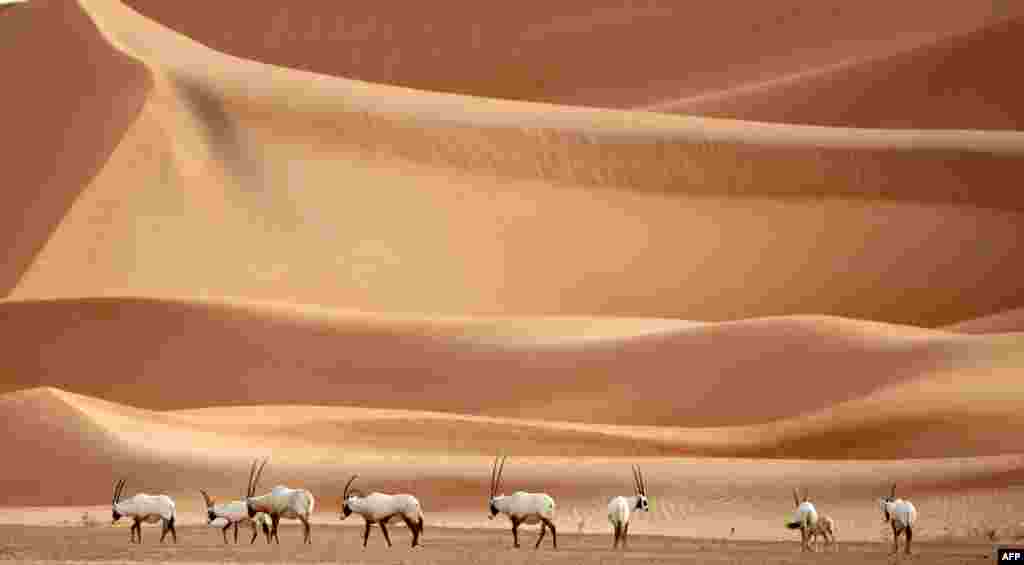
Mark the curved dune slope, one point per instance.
(1000, 322)
(165, 354)
(178, 452)
(602, 53)
(67, 99)
(242, 179)
(946, 84)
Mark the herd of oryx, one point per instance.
(264, 512)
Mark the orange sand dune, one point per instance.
(67, 99)
(602, 53)
(242, 179)
(1000, 322)
(316, 447)
(182, 354)
(947, 84)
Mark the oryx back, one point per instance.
(148, 508)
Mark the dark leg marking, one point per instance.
(224, 531)
(366, 533)
(515, 533)
(384, 530)
(618, 534)
(910, 536)
(236, 532)
(255, 532)
(540, 538)
(625, 534)
(306, 537)
(274, 520)
(554, 533)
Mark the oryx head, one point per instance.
(118, 490)
(210, 516)
(640, 486)
(347, 497)
(883, 503)
(496, 471)
(254, 479)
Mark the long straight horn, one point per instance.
(494, 475)
(259, 473)
(248, 485)
(796, 498)
(206, 497)
(892, 492)
(117, 491)
(120, 491)
(636, 481)
(501, 469)
(643, 481)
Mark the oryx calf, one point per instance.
(280, 502)
(806, 520)
(620, 507)
(522, 507)
(235, 513)
(378, 508)
(902, 515)
(145, 508)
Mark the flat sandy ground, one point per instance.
(41, 544)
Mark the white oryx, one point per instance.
(620, 507)
(378, 508)
(145, 508)
(902, 515)
(235, 513)
(280, 502)
(522, 507)
(805, 520)
(826, 528)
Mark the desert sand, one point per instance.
(371, 240)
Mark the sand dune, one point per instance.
(178, 452)
(67, 99)
(1000, 322)
(166, 354)
(581, 53)
(944, 84)
(275, 184)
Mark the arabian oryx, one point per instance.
(902, 515)
(235, 513)
(620, 507)
(378, 508)
(280, 502)
(145, 508)
(806, 520)
(522, 507)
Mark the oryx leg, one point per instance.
(412, 528)
(274, 521)
(255, 532)
(515, 533)
(910, 536)
(618, 533)
(540, 538)
(366, 532)
(224, 531)
(163, 530)
(554, 534)
(306, 537)
(236, 532)
(895, 539)
(266, 531)
(625, 534)
(136, 530)
(384, 530)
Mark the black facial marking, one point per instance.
(494, 510)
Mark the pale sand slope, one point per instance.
(242, 179)
(318, 448)
(578, 52)
(1000, 322)
(944, 84)
(165, 354)
(67, 99)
